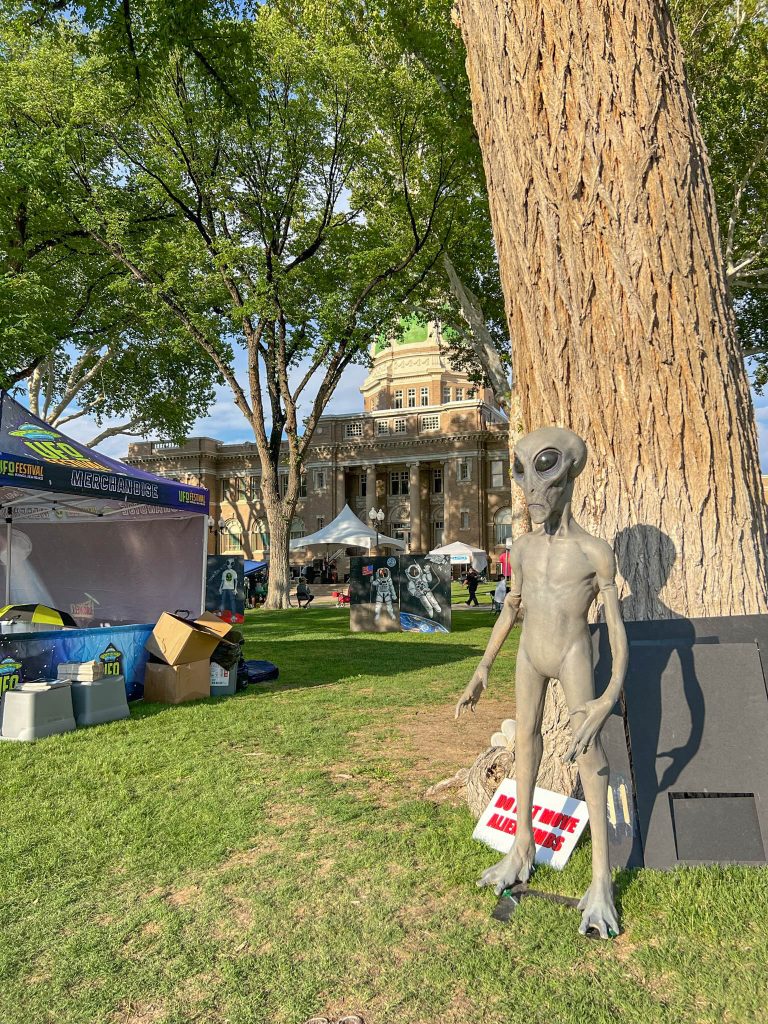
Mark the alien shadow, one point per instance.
(633, 546)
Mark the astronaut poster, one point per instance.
(391, 594)
(425, 593)
(224, 593)
(374, 605)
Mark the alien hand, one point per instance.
(474, 690)
(595, 714)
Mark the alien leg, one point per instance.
(433, 601)
(597, 903)
(377, 608)
(390, 609)
(425, 604)
(530, 690)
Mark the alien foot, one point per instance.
(599, 912)
(515, 867)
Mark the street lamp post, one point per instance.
(216, 528)
(509, 543)
(377, 518)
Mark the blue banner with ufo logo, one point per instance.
(37, 456)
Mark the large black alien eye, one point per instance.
(546, 460)
(517, 467)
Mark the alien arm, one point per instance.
(508, 615)
(617, 635)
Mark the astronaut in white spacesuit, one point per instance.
(384, 587)
(419, 585)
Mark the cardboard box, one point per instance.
(180, 641)
(174, 684)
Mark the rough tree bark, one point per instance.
(615, 290)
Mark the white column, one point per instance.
(414, 490)
(371, 498)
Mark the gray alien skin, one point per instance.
(559, 569)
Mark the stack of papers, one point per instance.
(39, 685)
(81, 671)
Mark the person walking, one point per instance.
(472, 581)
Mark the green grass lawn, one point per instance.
(266, 857)
(485, 592)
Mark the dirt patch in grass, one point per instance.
(138, 1013)
(197, 988)
(437, 744)
(247, 858)
(183, 897)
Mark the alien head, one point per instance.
(546, 463)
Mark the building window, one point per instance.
(398, 482)
(400, 426)
(232, 539)
(446, 394)
(320, 522)
(411, 398)
(430, 422)
(398, 402)
(363, 490)
(464, 521)
(463, 472)
(502, 525)
(402, 531)
(321, 479)
(437, 533)
(260, 535)
(437, 481)
(297, 529)
(282, 484)
(424, 396)
(354, 429)
(382, 427)
(303, 486)
(235, 489)
(255, 487)
(459, 394)
(497, 473)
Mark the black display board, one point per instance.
(224, 587)
(696, 731)
(410, 593)
(374, 594)
(425, 593)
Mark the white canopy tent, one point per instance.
(349, 531)
(463, 554)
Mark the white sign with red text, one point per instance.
(558, 821)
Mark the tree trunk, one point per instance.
(609, 250)
(279, 580)
(482, 342)
(521, 521)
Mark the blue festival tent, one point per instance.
(249, 566)
(91, 535)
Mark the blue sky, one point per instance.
(225, 423)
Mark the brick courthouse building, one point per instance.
(428, 448)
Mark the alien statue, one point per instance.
(558, 571)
